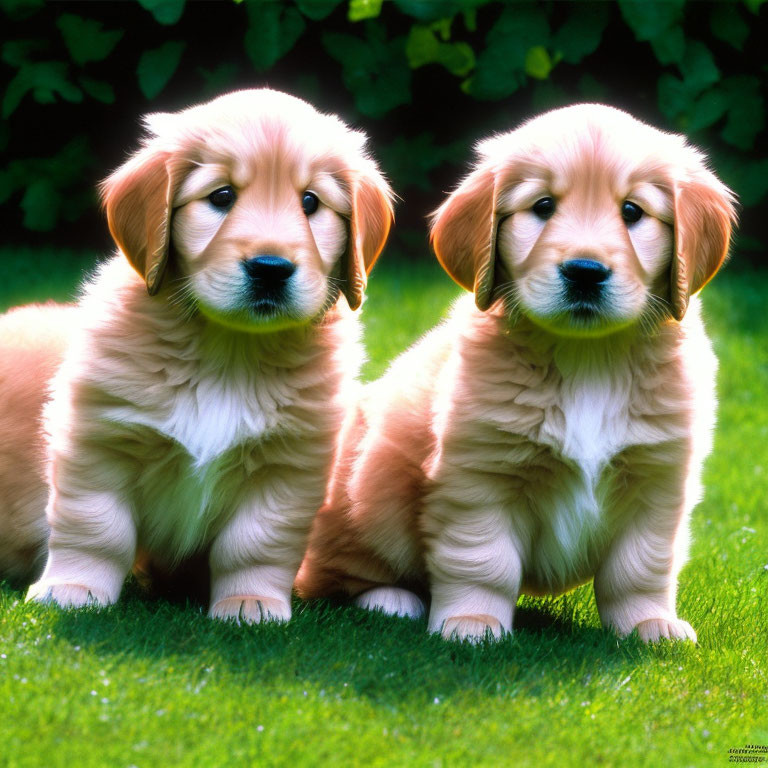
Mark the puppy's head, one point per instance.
(255, 209)
(586, 220)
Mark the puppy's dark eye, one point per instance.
(223, 198)
(544, 208)
(309, 203)
(631, 212)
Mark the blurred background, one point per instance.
(424, 78)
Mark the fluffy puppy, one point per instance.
(32, 344)
(200, 397)
(554, 431)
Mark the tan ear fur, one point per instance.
(704, 216)
(372, 217)
(464, 235)
(137, 199)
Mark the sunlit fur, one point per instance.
(182, 422)
(515, 448)
(32, 343)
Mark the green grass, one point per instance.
(148, 683)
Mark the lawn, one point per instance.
(148, 683)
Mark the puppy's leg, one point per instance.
(636, 585)
(255, 557)
(392, 601)
(91, 549)
(475, 572)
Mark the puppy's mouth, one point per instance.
(586, 312)
(267, 307)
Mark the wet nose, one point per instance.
(269, 270)
(584, 273)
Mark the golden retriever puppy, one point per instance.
(199, 400)
(32, 344)
(554, 431)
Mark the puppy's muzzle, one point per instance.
(584, 281)
(268, 277)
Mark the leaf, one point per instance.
(219, 77)
(359, 10)
(698, 67)
(457, 58)
(470, 19)
(582, 31)
(726, 23)
(40, 204)
(98, 89)
(7, 186)
(166, 12)
(650, 18)
(673, 97)
(537, 63)
(156, 67)
(45, 79)
(746, 115)
(374, 70)
(443, 28)
(422, 47)
(754, 5)
(51, 184)
(317, 10)
(669, 45)
(17, 52)
(273, 29)
(85, 39)
(20, 9)
(707, 110)
(428, 10)
(500, 67)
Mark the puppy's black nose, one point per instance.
(584, 273)
(269, 271)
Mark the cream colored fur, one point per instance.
(185, 421)
(516, 447)
(32, 343)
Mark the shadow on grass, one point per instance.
(333, 646)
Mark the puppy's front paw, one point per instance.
(250, 610)
(653, 630)
(68, 595)
(474, 628)
(392, 601)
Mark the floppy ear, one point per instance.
(137, 198)
(704, 215)
(371, 220)
(464, 235)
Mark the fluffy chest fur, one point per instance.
(587, 427)
(191, 415)
(551, 424)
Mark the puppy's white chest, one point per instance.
(595, 412)
(209, 419)
(206, 417)
(591, 429)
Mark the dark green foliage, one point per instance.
(501, 67)
(688, 66)
(273, 28)
(375, 69)
(156, 67)
(164, 11)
